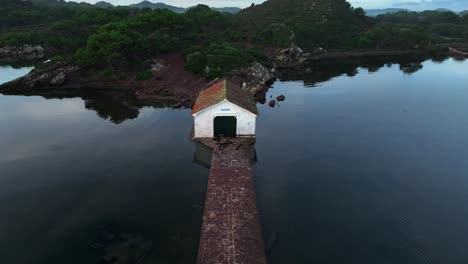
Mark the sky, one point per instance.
(456, 5)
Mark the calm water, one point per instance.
(73, 185)
(9, 73)
(367, 167)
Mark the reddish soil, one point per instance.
(458, 52)
(171, 82)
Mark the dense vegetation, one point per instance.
(415, 29)
(126, 42)
(122, 37)
(118, 38)
(63, 27)
(311, 23)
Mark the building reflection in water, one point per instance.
(203, 154)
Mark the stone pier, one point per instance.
(231, 231)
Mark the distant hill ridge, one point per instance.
(158, 5)
(143, 4)
(151, 5)
(103, 4)
(232, 10)
(383, 11)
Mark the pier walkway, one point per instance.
(231, 231)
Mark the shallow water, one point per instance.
(8, 73)
(367, 167)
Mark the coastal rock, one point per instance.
(43, 79)
(260, 73)
(256, 89)
(25, 52)
(51, 75)
(272, 103)
(156, 66)
(255, 79)
(319, 50)
(281, 98)
(58, 80)
(291, 56)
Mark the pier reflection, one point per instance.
(203, 154)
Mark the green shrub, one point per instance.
(144, 75)
(219, 58)
(196, 63)
(277, 34)
(225, 62)
(448, 30)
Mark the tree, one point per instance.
(111, 48)
(359, 11)
(196, 63)
(464, 19)
(465, 35)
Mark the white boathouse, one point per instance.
(224, 110)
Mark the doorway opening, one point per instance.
(225, 126)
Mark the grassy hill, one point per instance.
(310, 23)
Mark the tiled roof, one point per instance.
(225, 90)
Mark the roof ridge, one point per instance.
(224, 90)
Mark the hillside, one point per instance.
(125, 43)
(442, 26)
(116, 39)
(311, 23)
(232, 10)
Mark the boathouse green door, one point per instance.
(225, 126)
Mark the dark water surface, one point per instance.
(74, 186)
(368, 167)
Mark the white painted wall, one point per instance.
(204, 120)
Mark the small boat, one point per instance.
(458, 52)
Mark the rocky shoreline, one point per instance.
(55, 76)
(23, 53)
(171, 83)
